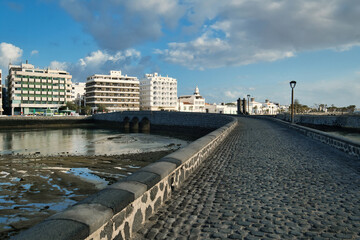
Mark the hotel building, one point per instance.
(158, 93)
(116, 92)
(78, 93)
(37, 91)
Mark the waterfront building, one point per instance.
(78, 93)
(115, 92)
(192, 103)
(229, 108)
(266, 108)
(158, 93)
(1, 95)
(37, 91)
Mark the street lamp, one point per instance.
(292, 85)
(248, 96)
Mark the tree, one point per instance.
(351, 108)
(101, 108)
(86, 110)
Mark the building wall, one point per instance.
(158, 92)
(115, 91)
(192, 103)
(33, 90)
(1, 96)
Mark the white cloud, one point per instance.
(128, 61)
(249, 31)
(59, 65)
(9, 54)
(118, 25)
(34, 52)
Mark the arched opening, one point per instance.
(134, 125)
(145, 125)
(126, 124)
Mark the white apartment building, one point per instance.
(116, 92)
(78, 93)
(192, 103)
(1, 107)
(158, 92)
(37, 91)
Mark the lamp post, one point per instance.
(292, 85)
(248, 96)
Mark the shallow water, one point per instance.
(81, 141)
(351, 136)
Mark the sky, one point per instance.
(228, 48)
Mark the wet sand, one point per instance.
(34, 187)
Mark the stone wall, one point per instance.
(122, 208)
(343, 144)
(42, 121)
(342, 121)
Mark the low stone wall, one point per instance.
(122, 208)
(343, 144)
(342, 121)
(42, 121)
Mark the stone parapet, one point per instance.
(117, 211)
(343, 144)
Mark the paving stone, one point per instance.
(265, 181)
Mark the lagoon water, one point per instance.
(81, 141)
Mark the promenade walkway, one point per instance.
(265, 181)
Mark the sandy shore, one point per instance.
(35, 187)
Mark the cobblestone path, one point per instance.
(265, 181)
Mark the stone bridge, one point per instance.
(248, 179)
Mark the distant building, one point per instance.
(37, 91)
(115, 92)
(158, 92)
(222, 108)
(192, 103)
(266, 108)
(78, 93)
(1, 95)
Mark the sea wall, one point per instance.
(42, 121)
(120, 209)
(350, 147)
(341, 121)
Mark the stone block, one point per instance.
(59, 229)
(161, 168)
(115, 199)
(93, 215)
(147, 178)
(137, 188)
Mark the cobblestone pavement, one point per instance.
(265, 181)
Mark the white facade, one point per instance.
(222, 108)
(192, 103)
(34, 91)
(116, 92)
(158, 92)
(266, 108)
(78, 91)
(1, 96)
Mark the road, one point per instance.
(264, 181)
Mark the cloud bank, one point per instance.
(221, 33)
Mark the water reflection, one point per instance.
(81, 141)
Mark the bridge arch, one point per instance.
(144, 125)
(134, 124)
(126, 124)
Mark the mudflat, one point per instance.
(34, 187)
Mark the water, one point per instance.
(351, 136)
(81, 141)
(44, 171)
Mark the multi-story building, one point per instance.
(158, 92)
(115, 92)
(1, 107)
(192, 103)
(37, 91)
(78, 93)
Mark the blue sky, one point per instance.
(228, 48)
